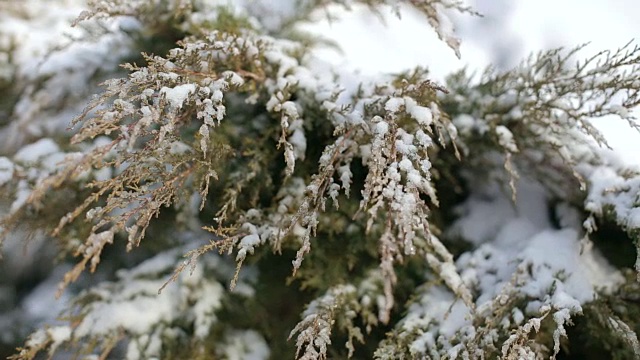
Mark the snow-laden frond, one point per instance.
(130, 310)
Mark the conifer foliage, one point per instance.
(225, 194)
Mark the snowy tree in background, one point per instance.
(226, 195)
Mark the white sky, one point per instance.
(509, 31)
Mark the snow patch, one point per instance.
(36, 151)
(177, 95)
(6, 170)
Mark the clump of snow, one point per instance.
(381, 128)
(6, 170)
(177, 95)
(245, 345)
(505, 138)
(58, 336)
(466, 124)
(394, 104)
(36, 151)
(249, 242)
(138, 316)
(233, 78)
(297, 139)
(205, 306)
(37, 339)
(21, 195)
(420, 113)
